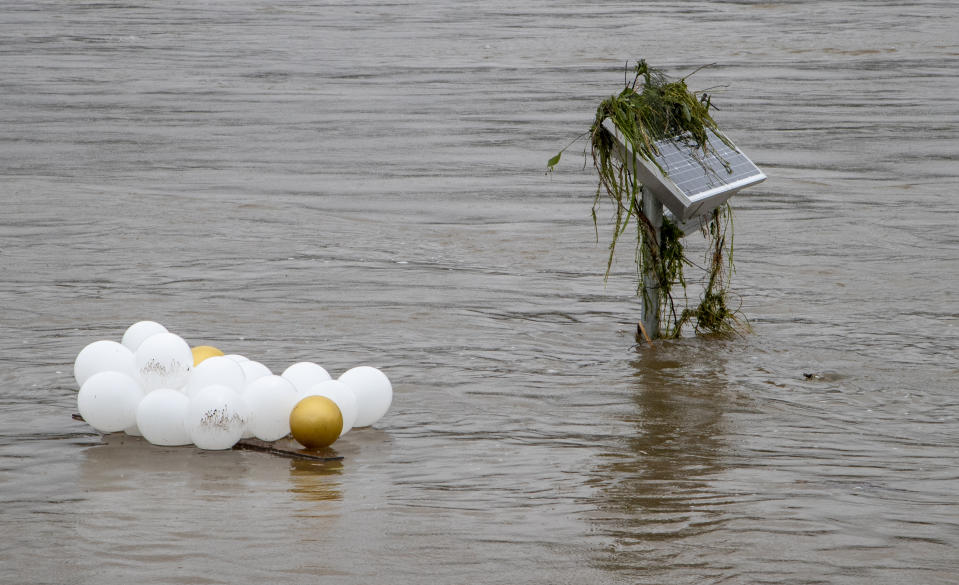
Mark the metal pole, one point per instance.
(653, 209)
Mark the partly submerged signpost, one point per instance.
(690, 181)
(657, 145)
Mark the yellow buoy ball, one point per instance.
(201, 352)
(316, 421)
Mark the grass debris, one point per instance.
(650, 108)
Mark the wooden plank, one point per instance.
(288, 448)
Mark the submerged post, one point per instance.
(667, 143)
(676, 173)
(653, 210)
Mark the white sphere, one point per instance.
(271, 399)
(108, 401)
(215, 370)
(161, 416)
(164, 360)
(139, 332)
(237, 357)
(216, 417)
(304, 375)
(342, 395)
(103, 356)
(253, 369)
(373, 391)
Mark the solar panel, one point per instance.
(691, 182)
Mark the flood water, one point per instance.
(362, 183)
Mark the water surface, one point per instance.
(362, 183)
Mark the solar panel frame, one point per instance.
(695, 182)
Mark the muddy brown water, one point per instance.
(362, 183)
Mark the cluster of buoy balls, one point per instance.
(153, 384)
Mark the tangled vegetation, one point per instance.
(645, 113)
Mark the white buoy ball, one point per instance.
(237, 357)
(216, 417)
(215, 370)
(139, 332)
(271, 399)
(161, 416)
(164, 360)
(342, 395)
(305, 375)
(373, 391)
(103, 356)
(253, 369)
(108, 401)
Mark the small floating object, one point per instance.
(304, 375)
(270, 398)
(343, 396)
(373, 391)
(139, 332)
(216, 418)
(216, 370)
(253, 369)
(103, 356)
(316, 422)
(160, 417)
(202, 352)
(163, 360)
(108, 401)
